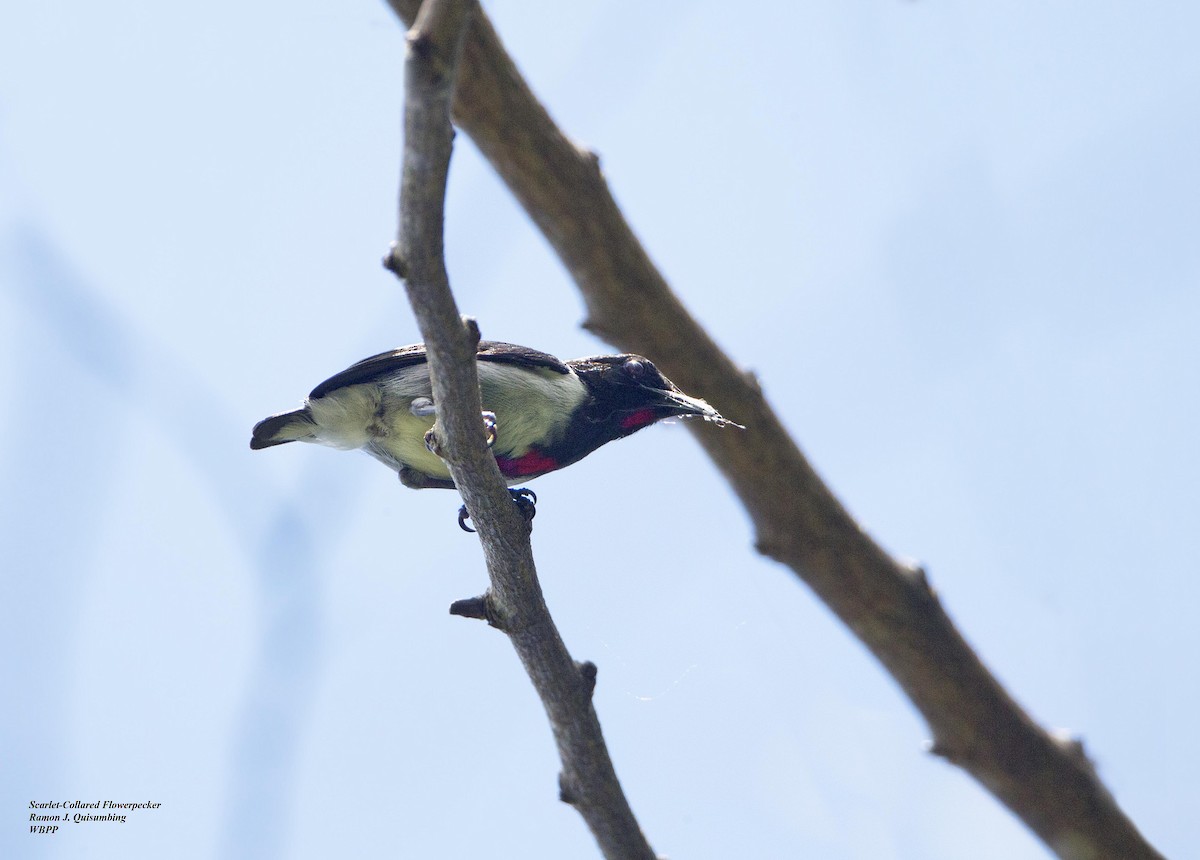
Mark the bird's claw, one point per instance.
(524, 498)
(489, 426)
(526, 502)
(432, 443)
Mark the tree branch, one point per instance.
(514, 602)
(1050, 784)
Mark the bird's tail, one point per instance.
(281, 428)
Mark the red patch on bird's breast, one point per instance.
(634, 420)
(532, 462)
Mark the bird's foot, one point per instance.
(432, 443)
(489, 426)
(423, 407)
(525, 500)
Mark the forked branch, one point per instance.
(1048, 783)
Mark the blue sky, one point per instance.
(957, 244)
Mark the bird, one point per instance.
(543, 413)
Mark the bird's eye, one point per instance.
(635, 368)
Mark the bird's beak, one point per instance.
(685, 406)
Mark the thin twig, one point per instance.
(1048, 783)
(514, 603)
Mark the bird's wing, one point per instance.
(522, 356)
(387, 363)
(372, 368)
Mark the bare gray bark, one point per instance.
(514, 602)
(1050, 784)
